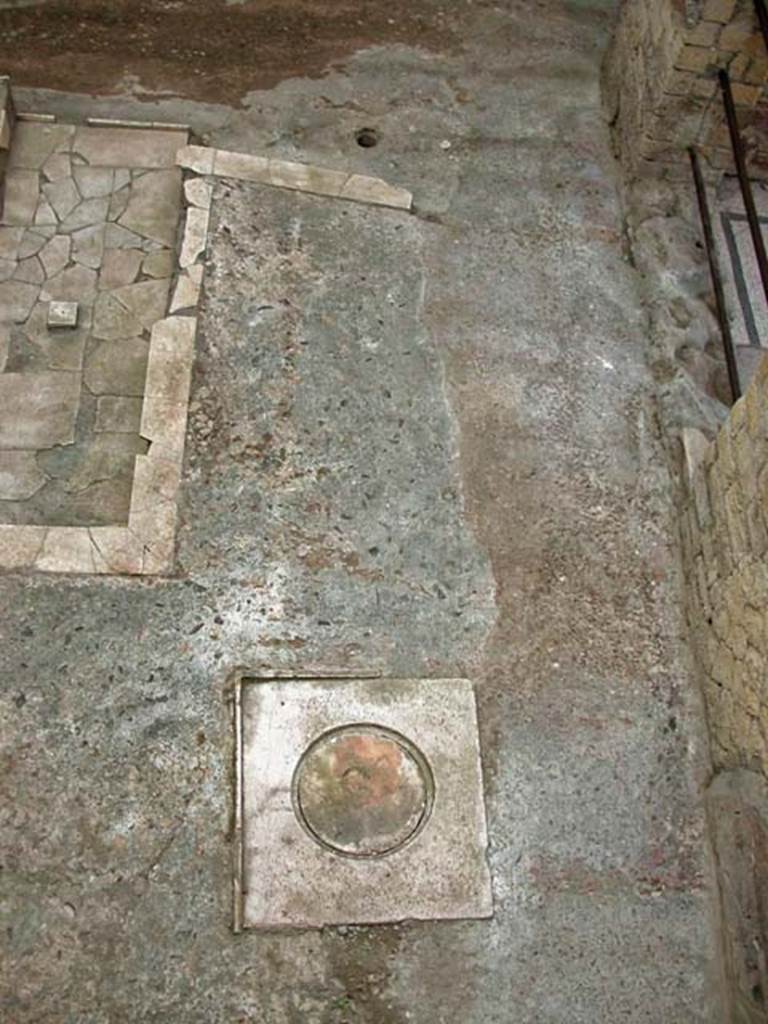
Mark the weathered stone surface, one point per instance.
(127, 311)
(17, 300)
(10, 240)
(305, 177)
(62, 314)
(117, 204)
(21, 196)
(171, 356)
(60, 350)
(44, 214)
(20, 545)
(309, 178)
(164, 423)
(5, 340)
(111, 319)
(120, 267)
(158, 264)
(34, 143)
(33, 241)
(89, 211)
(5, 129)
(153, 207)
(152, 516)
(74, 284)
(196, 158)
(38, 410)
(117, 367)
(54, 255)
(107, 456)
(372, 190)
(93, 182)
(244, 166)
(57, 166)
(198, 192)
(88, 246)
(128, 147)
(20, 476)
(66, 549)
(7, 269)
(738, 805)
(195, 236)
(117, 237)
(62, 197)
(30, 270)
(118, 414)
(187, 290)
(117, 550)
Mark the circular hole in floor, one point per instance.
(367, 137)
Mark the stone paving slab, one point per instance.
(38, 409)
(128, 147)
(20, 476)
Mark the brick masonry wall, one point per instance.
(661, 91)
(725, 541)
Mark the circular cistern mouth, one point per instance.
(363, 790)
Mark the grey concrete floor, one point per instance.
(423, 444)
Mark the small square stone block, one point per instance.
(62, 314)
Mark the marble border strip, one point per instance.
(115, 122)
(26, 115)
(321, 181)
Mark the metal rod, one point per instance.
(744, 182)
(238, 850)
(762, 17)
(717, 280)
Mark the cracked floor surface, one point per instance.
(420, 444)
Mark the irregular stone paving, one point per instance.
(91, 216)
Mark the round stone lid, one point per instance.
(363, 790)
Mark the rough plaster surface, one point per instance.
(423, 444)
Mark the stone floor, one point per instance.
(421, 444)
(90, 216)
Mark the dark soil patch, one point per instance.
(200, 49)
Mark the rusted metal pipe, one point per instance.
(744, 183)
(717, 279)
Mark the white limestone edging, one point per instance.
(321, 181)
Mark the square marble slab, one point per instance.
(358, 801)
